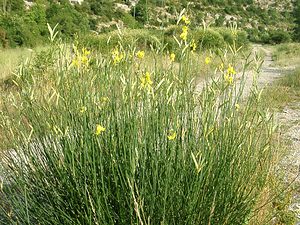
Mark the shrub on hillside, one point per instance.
(209, 38)
(19, 31)
(70, 21)
(240, 38)
(105, 42)
(279, 36)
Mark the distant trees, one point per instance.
(21, 27)
(297, 20)
(69, 19)
(11, 5)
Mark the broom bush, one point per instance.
(112, 139)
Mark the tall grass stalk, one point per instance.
(167, 155)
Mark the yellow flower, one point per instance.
(85, 60)
(172, 135)
(193, 45)
(207, 60)
(99, 129)
(184, 33)
(104, 99)
(146, 81)
(183, 36)
(185, 20)
(85, 52)
(75, 62)
(228, 79)
(172, 57)
(237, 107)
(230, 70)
(140, 54)
(82, 109)
(221, 67)
(81, 58)
(117, 56)
(185, 29)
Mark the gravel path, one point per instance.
(290, 165)
(268, 73)
(289, 118)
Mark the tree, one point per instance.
(297, 20)
(12, 6)
(70, 21)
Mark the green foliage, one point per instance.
(129, 37)
(269, 37)
(209, 39)
(19, 30)
(292, 80)
(3, 38)
(101, 7)
(61, 172)
(79, 19)
(70, 21)
(278, 36)
(297, 19)
(8, 6)
(141, 11)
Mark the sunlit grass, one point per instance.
(287, 54)
(283, 91)
(11, 58)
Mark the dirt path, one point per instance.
(290, 165)
(267, 75)
(289, 121)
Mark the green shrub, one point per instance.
(105, 42)
(240, 38)
(20, 31)
(105, 143)
(279, 36)
(208, 39)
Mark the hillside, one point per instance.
(25, 24)
(260, 18)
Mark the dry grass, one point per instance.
(287, 55)
(10, 59)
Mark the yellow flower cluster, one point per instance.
(229, 74)
(185, 19)
(81, 58)
(172, 135)
(228, 79)
(99, 129)
(146, 81)
(221, 67)
(140, 54)
(117, 56)
(185, 28)
(184, 33)
(172, 57)
(207, 60)
(193, 45)
(82, 109)
(230, 70)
